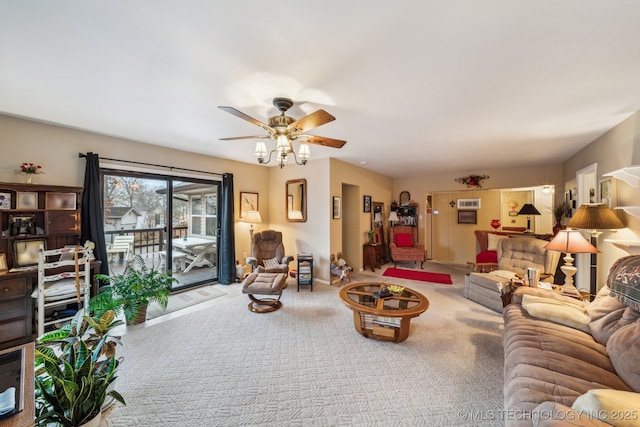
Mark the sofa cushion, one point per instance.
(607, 315)
(403, 240)
(624, 351)
(493, 240)
(556, 311)
(616, 407)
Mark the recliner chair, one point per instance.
(267, 246)
(515, 256)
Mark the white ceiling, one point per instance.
(416, 87)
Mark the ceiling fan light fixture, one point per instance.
(282, 143)
(304, 152)
(284, 130)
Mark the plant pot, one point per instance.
(558, 226)
(140, 318)
(93, 422)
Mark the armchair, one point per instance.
(404, 245)
(267, 245)
(515, 256)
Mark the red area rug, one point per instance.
(418, 275)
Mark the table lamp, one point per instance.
(393, 217)
(570, 242)
(252, 217)
(594, 217)
(528, 209)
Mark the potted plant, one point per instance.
(558, 211)
(132, 291)
(75, 369)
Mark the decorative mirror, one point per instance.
(296, 201)
(377, 222)
(405, 198)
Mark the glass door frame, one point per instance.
(170, 181)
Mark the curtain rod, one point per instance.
(83, 155)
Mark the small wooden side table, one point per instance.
(372, 254)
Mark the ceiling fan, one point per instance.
(284, 130)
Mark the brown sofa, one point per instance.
(573, 363)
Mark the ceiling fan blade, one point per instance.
(311, 121)
(243, 116)
(246, 137)
(321, 140)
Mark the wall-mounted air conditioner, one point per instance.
(468, 203)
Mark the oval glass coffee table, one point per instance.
(386, 318)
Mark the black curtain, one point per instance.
(92, 212)
(227, 248)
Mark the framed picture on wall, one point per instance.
(367, 204)
(248, 202)
(467, 217)
(337, 207)
(607, 192)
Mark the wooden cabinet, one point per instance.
(372, 255)
(407, 215)
(15, 310)
(24, 377)
(30, 214)
(34, 211)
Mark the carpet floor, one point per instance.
(218, 364)
(185, 299)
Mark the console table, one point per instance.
(372, 255)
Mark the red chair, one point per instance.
(404, 245)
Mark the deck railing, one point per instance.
(147, 240)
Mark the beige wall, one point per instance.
(56, 149)
(615, 149)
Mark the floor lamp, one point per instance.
(252, 217)
(594, 217)
(528, 209)
(570, 242)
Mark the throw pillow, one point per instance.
(271, 263)
(623, 349)
(607, 315)
(556, 311)
(615, 407)
(493, 240)
(403, 240)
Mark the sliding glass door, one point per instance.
(173, 221)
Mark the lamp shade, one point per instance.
(393, 216)
(571, 242)
(295, 215)
(252, 217)
(595, 217)
(528, 209)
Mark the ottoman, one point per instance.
(270, 284)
